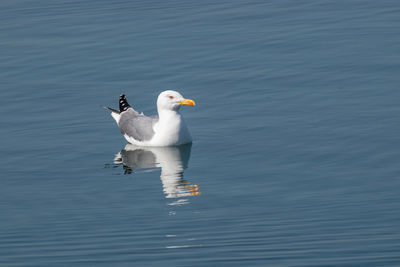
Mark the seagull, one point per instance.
(166, 129)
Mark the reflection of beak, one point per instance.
(188, 102)
(193, 189)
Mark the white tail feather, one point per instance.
(116, 116)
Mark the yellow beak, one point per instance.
(188, 102)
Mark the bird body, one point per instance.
(166, 129)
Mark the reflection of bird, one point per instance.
(166, 129)
(171, 160)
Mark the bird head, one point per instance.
(172, 100)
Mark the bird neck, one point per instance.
(166, 115)
(171, 128)
(169, 124)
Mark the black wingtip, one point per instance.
(123, 103)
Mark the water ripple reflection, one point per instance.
(171, 160)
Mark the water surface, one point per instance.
(295, 157)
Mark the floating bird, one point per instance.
(166, 129)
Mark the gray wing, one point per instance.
(136, 125)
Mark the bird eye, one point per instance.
(171, 97)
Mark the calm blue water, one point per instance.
(296, 154)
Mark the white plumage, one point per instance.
(166, 129)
